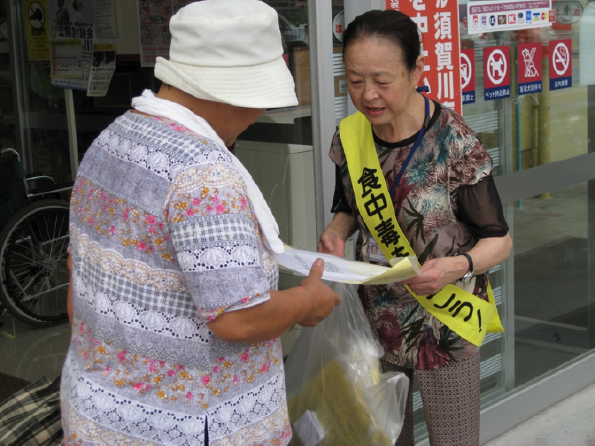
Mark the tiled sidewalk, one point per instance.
(569, 423)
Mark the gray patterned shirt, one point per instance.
(163, 240)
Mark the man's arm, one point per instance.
(307, 304)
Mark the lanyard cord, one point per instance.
(420, 135)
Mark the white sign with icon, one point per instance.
(508, 15)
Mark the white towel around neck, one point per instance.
(152, 105)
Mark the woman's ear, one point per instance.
(418, 69)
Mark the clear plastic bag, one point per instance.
(336, 392)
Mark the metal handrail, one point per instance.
(38, 192)
(9, 150)
(50, 191)
(40, 177)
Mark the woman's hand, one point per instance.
(437, 273)
(332, 241)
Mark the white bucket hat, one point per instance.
(228, 51)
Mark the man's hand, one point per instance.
(324, 299)
(306, 304)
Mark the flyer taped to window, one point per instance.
(337, 269)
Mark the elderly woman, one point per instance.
(438, 178)
(173, 298)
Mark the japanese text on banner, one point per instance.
(438, 21)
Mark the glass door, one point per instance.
(542, 143)
(547, 303)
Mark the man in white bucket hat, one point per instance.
(172, 297)
(230, 56)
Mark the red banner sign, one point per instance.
(438, 21)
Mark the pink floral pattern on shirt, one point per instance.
(114, 217)
(175, 382)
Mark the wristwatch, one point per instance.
(469, 273)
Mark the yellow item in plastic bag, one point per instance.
(340, 408)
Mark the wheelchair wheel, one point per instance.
(34, 276)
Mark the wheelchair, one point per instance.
(34, 240)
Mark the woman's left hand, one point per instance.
(436, 274)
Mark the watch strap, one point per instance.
(469, 273)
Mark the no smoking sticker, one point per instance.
(560, 64)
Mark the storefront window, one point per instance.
(552, 124)
(290, 125)
(93, 114)
(548, 124)
(48, 130)
(7, 108)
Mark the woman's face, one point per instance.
(378, 81)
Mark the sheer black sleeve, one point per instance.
(340, 203)
(480, 208)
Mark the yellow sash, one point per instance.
(467, 315)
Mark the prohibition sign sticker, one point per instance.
(560, 64)
(496, 66)
(466, 70)
(36, 15)
(468, 75)
(529, 68)
(35, 18)
(560, 59)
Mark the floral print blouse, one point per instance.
(164, 239)
(448, 157)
